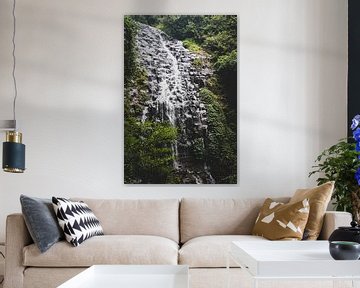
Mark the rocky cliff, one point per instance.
(175, 77)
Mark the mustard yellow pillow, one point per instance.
(319, 198)
(279, 221)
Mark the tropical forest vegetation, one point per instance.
(150, 148)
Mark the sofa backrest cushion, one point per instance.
(159, 217)
(200, 217)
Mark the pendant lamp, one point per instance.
(13, 160)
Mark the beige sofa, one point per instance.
(195, 232)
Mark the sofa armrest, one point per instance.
(333, 220)
(17, 237)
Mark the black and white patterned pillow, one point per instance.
(77, 220)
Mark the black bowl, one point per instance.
(344, 250)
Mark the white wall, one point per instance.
(292, 92)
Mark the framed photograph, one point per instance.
(180, 77)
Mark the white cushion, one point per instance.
(107, 249)
(211, 251)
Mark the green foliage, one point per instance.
(221, 32)
(192, 46)
(220, 143)
(226, 67)
(219, 44)
(198, 63)
(148, 153)
(134, 76)
(339, 163)
(198, 149)
(182, 27)
(130, 30)
(134, 103)
(226, 63)
(146, 19)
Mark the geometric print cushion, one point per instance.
(76, 220)
(279, 221)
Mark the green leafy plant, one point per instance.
(341, 163)
(148, 156)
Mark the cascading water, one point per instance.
(174, 83)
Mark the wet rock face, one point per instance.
(174, 82)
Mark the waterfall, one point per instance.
(173, 86)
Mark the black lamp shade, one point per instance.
(13, 157)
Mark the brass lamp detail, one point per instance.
(13, 153)
(13, 136)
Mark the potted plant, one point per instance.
(341, 163)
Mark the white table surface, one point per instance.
(131, 276)
(281, 259)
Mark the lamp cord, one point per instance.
(14, 61)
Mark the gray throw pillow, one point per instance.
(41, 221)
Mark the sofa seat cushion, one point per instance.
(211, 251)
(107, 249)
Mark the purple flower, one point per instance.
(355, 122)
(357, 176)
(356, 134)
(357, 147)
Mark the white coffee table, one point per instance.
(131, 276)
(285, 260)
